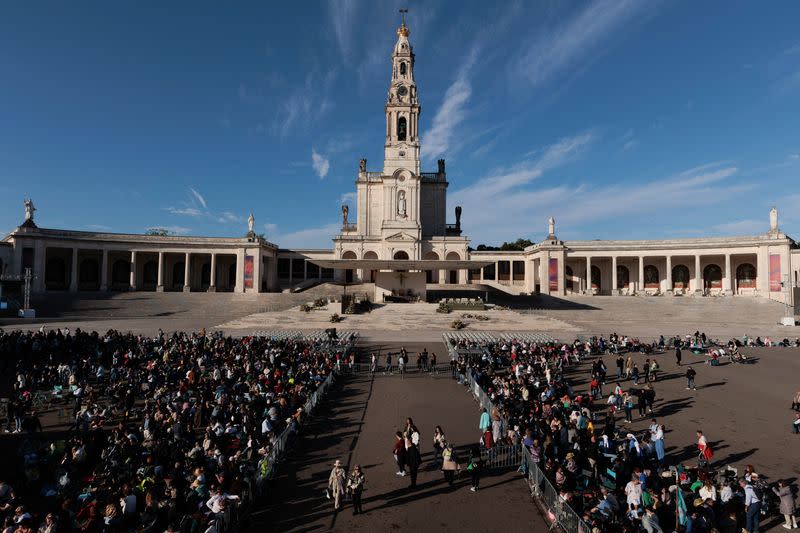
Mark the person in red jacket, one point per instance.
(399, 453)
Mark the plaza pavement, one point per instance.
(357, 425)
(743, 409)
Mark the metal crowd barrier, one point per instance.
(266, 468)
(557, 511)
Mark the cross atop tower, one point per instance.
(403, 29)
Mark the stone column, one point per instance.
(212, 282)
(73, 275)
(669, 275)
(133, 271)
(160, 283)
(641, 274)
(698, 276)
(727, 280)
(614, 275)
(589, 276)
(187, 271)
(104, 271)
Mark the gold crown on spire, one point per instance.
(402, 31)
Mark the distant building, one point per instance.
(399, 239)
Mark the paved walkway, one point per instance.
(358, 428)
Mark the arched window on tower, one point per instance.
(403, 68)
(401, 129)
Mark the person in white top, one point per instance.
(633, 493)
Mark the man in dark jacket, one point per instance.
(413, 461)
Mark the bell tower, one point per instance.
(401, 150)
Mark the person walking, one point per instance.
(628, 367)
(752, 506)
(690, 375)
(620, 366)
(474, 468)
(678, 354)
(787, 506)
(433, 368)
(355, 485)
(388, 368)
(336, 483)
(413, 461)
(373, 364)
(399, 452)
(450, 465)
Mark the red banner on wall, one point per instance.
(248, 272)
(775, 277)
(552, 274)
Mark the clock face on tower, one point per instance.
(402, 91)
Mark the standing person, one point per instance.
(336, 483)
(355, 485)
(401, 364)
(449, 463)
(388, 369)
(620, 366)
(484, 424)
(373, 364)
(439, 441)
(796, 424)
(474, 468)
(678, 354)
(413, 461)
(704, 449)
(399, 452)
(658, 440)
(628, 407)
(796, 401)
(690, 375)
(752, 506)
(434, 370)
(628, 367)
(787, 507)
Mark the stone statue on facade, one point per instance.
(773, 220)
(29, 210)
(362, 165)
(441, 166)
(250, 223)
(401, 203)
(345, 211)
(551, 226)
(458, 217)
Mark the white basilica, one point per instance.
(398, 242)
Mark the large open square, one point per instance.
(345, 265)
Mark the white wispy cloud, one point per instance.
(450, 114)
(628, 140)
(305, 104)
(794, 156)
(578, 40)
(348, 198)
(198, 197)
(195, 206)
(98, 227)
(186, 211)
(497, 185)
(320, 164)
(507, 199)
(173, 230)
(343, 19)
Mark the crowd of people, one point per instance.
(167, 432)
(615, 479)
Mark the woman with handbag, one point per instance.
(355, 485)
(439, 441)
(336, 484)
(449, 463)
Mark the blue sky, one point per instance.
(623, 119)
